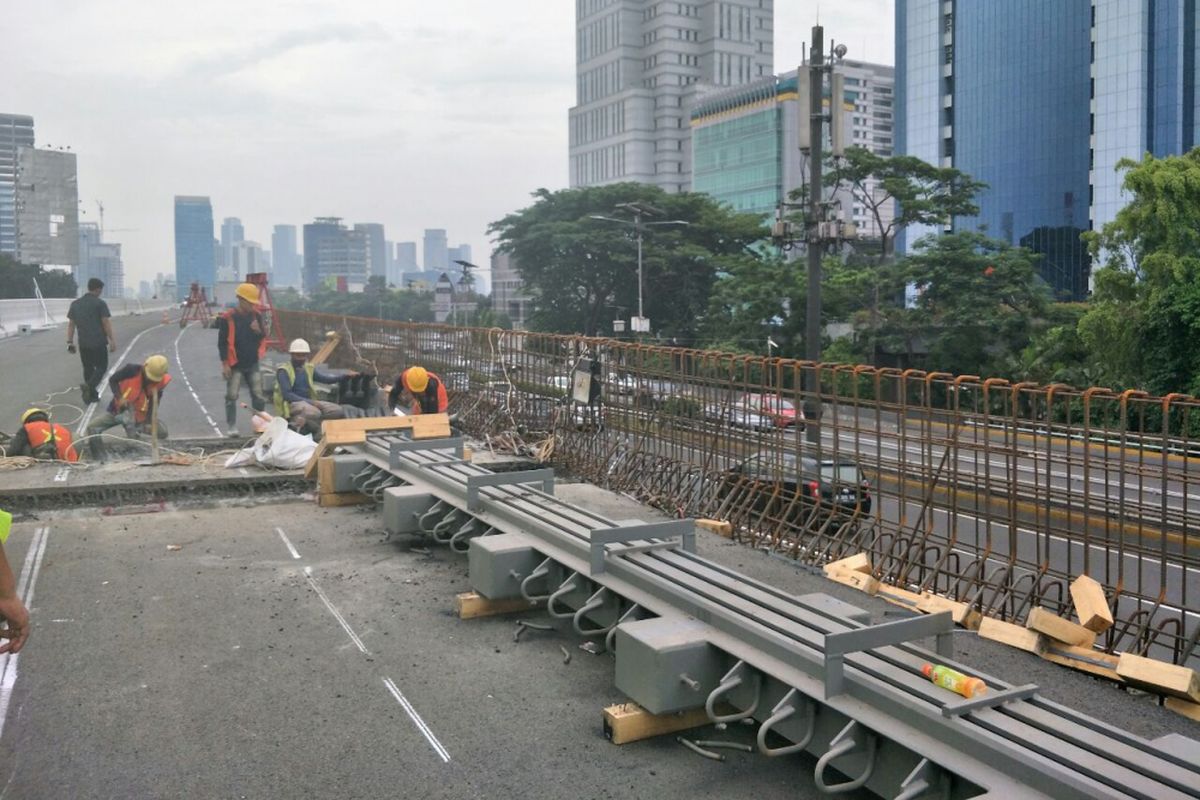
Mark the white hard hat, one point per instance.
(299, 346)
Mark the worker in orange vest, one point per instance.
(420, 387)
(42, 439)
(134, 386)
(241, 342)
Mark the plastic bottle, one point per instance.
(955, 681)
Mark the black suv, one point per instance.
(838, 485)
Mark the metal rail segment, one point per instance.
(689, 633)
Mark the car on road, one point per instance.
(782, 412)
(737, 416)
(837, 485)
(622, 384)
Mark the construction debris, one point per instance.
(1160, 677)
(1059, 629)
(1091, 604)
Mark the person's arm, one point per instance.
(285, 387)
(14, 617)
(70, 335)
(325, 376)
(19, 445)
(223, 344)
(106, 323)
(394, 394)
(114, 383)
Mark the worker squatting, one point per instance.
(138, 389)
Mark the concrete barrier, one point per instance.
(27, 314)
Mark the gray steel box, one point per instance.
(345, 467)
(653, 655)
(827, 604)
(499, 563)
(403, 507)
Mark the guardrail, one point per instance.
(986, 491)
(29, 313)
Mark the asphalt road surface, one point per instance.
(285, 651)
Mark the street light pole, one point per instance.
(641, 324)
(637, 222)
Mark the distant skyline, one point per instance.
(414, 116)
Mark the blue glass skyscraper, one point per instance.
(194, 257)
(1040, 100)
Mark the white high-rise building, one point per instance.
(639, 66)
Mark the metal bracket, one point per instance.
(454, 462)
(477, 482)
(838, 645)
(398, 446)
(990, 700)
(600, 538)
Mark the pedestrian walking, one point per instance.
(241, 342)
(89, 315)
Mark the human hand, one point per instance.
(226, 371)
(70, 347)
(14, 624)
(112, 347)
(254, 326)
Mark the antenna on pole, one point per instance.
(100, 205)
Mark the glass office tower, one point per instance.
(1041, 100)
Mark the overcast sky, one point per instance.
(414, 114)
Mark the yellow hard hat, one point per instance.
(248, 292)
(416, 378)
(33, 412)
(155, 368)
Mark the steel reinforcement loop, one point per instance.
(441, 531)
(540, 571)
(429, 519)
(785, 709)
(610, 637)
(564, 588)
(594, 602)
(460, 541)
(844, 743)
(733, 679)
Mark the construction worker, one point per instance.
(89, 315)
(424, 390)
(133, 386)
(241, 342)
(14, 617)
(295, 391)
(39, 438)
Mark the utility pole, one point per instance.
(812, 327)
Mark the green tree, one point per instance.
(1145, 312)
(374, 301)
(16, 280)
(580, 270)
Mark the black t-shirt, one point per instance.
(87, 312)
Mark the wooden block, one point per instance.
(430, 426)
(1090, 604)
(1065, 631)
(898, 596)
(337, 438)
(325, 475)
(468, 454)
(1159, 676)
(963, 614)
(1084, 659)
(310, 469)
(858, 580)
(336, 499)
(332, 340)
(629, 722)
(860, 562)
(719, 527)
(1009, 634)
(374, 423)
(470, 605)
(1190, 710)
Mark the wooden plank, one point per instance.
(1009, 634)
(860, 562)
(1189, 710)
(1084, 659)
(332, 340)
(344, 437)
(717, 526)
(430, 426)
(1159, 676)
(336, 499)
(963, 614)
(629, 722)
(1090, 604)
(857, 580)
(470, 605)
(1044, 621)
(325, 475)
(310, 469)
(366, 424)
(898, 596)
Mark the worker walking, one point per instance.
(133, 386)
(420, 387)
(42, 439)
(296, 392)
(241, 342)
(89, 315)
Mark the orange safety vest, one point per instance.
(231, 342)
(443, 401)
(133, 395)
(43, 433)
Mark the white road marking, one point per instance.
(336, 614)
(62, 475)
(287, 542)
(416, 718)
(25, 587)
(187, 382)
(91, 409)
